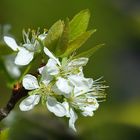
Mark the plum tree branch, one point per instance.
(18, 92)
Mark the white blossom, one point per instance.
(25, 52)
(84, 101)
(24, 56)
(64, 88)
(67, 67)
(61, 72)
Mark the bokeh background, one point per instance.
(118, 26)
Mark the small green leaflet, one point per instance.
(77, 43)
(79, 24)
(54, 34)
(64, 39)
(90, 52)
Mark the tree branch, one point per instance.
(18, 92)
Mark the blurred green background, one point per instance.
(118, 26)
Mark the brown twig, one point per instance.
(18, 92)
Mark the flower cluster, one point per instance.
(60, 83)
(63, 88)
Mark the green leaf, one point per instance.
(64, 39)
(90, 52)
(77, 43)
(79, 24)
(54, 34)
(4, 134)
(4, 49)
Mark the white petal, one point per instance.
(78, 62)
(72, 120)
(45, 76)
(63, 86)
(88, 110)
(11, 43)
(55, 107)
(52, 67)
(24, 57)
(46, 80)
(11, 67)
(48, 53)
(29, 102)
(30, 82)
(40, 70)
(81, 84)
(67, 107)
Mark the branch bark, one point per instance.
(18, 92)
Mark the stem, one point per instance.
(17, 93)
(25, 72)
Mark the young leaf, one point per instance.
(64, 39)
(79, 24)
(54, 34)
(90, 52)
(77, 43)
